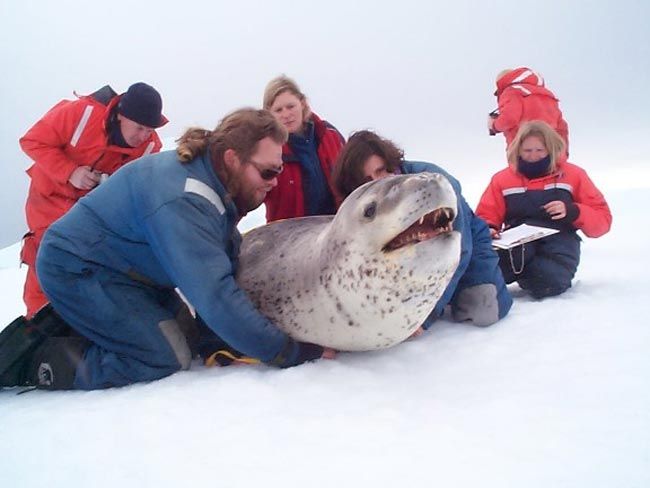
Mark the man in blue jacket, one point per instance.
(477, 292)
(111, 265)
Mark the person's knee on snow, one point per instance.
(476, 304)
(553, 268)
(543, 281)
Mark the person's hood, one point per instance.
(524, 77)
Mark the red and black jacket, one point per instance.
(287, 199)
(512, 199)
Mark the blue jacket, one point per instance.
(173, 226)
(479, 264)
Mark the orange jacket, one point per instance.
(512, 199)
(73, 133)
(522, 97)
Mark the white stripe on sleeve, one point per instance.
(81, 126)
(199, 188)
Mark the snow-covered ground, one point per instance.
(555, 395)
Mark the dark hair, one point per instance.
(348, 171)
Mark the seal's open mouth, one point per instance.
(427, 227)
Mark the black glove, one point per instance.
(288, 357)
(308, 352)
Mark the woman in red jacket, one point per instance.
(541, 188)
(74, 147)
(522, 96)
(305, 186)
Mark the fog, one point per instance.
(420, 74)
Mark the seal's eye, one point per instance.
(370, 210)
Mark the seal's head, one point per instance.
(391, 252)
(398, 215)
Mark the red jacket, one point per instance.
(511, 198)
(522, 97)
(287, 199)
(72, 134)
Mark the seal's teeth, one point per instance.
(422, 220)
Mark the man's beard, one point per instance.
(233, 184)
(246, 204)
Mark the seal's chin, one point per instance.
(426, 227)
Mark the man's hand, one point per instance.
(328, 353)
(84, 178)
(418, 332)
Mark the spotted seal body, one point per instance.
(363, 279)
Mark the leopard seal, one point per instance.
(363, 279)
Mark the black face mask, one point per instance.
(536, 169)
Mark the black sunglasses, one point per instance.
(267, 173)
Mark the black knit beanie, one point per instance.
(142, 104)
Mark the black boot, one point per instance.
(54, 364)
(15, 341)
(19, 340)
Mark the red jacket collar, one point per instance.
(320, 127)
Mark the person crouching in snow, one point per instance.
(522, 96)
(540, 187)
(111, 265)
(75, 146)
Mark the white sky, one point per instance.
(421, 73)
